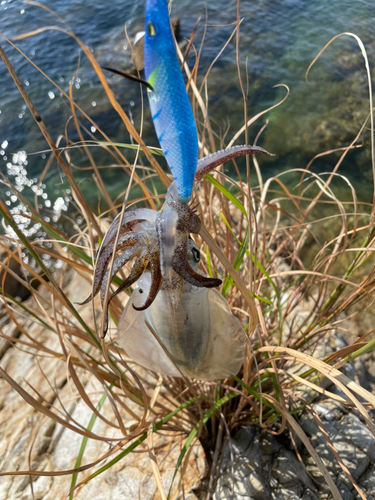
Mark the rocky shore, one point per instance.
(255, 465)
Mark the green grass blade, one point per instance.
(226, 193)
(237, 262)
(154, 151)
(209, 264)
(195, 431)
(26, 309)
(240, 255)
(254, 393)
(140, 440)
(84, 444)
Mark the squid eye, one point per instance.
(151, 29)
(196, 254)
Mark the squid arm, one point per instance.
(129, 220)
(208, 163)
(129, 254)
(128, 240)
(156, 281)
(136, 272)
(182, 267)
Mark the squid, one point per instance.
(158, 243)
(175, 313)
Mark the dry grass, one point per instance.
(257, 237)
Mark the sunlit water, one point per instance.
(278, 40)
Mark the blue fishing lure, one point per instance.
(170, 107)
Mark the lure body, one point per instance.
(170, 107)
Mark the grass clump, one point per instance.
(289, 289)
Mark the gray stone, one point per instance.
(367, 482)
(242, 470)
(357, 432)
(345, 490)
(290, 474)
(263, 468)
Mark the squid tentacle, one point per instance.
(156, 281)
(129, 254)
(197, 279)
(130, 219)
(208, 163)
(182, 267)
(136, 272)
(108, 243)
(127, 240)
(186, 216)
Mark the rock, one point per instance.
(289, 474)
(261, 467)
(53, 447)
(242, 472)
(357, 432)
(367, 480)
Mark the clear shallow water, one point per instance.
(279, 38)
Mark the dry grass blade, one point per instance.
(154, 463)
(295, 275)
(338, 378)
(305, 440)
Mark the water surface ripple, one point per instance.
(279, 38)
